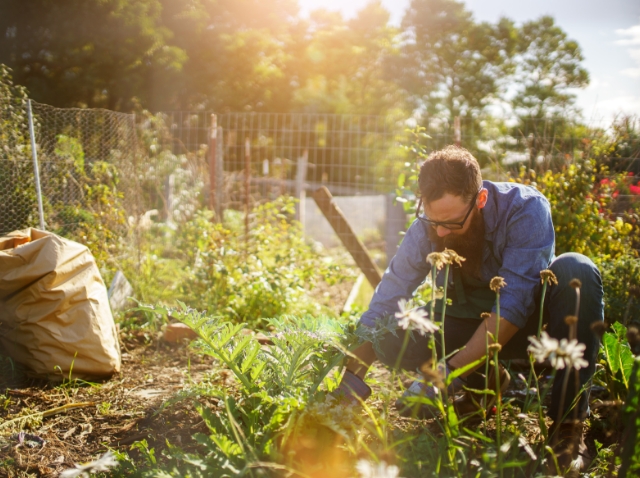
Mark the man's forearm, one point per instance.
(476, 346)
(362, 360)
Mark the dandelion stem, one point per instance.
(527, 402)
(444, 308)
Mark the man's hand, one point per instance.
(362, 359)
(476, 346)
(352, 387)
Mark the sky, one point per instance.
(608, 33)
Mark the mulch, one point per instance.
(110, 415)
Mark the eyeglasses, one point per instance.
(447, 225)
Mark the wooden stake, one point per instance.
(341, 226)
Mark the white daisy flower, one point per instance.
(104, 463)
(415, 319)
(376, 470)
(561, 354)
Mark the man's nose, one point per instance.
(442, 231)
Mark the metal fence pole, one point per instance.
(219, 176)
(36, 172)
(247, 182)
(212, 164)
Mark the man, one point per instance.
(502, 229)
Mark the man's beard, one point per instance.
(469, 245)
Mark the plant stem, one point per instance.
(527, 401)
(444, 308)
(496, 363)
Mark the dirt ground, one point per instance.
(113, 414)
(138, 403)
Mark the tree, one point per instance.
(450, 65)
(239, 54)
(548, 65)
(87, 52)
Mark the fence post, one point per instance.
(345, 233)
(212, 163)
(301, 193)
(457, 134)
(247, 183)
(36, 171)
(219, 175)
(395, 223)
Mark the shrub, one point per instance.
(580, 210)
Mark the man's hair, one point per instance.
(451, 170)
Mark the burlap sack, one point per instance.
(54, 306)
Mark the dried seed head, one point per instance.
(432, 375)
(485, 315)
(570, 320)
(575, 283)
(598, 328)
(548, 276)
(452, 256)
(497, 283)
(634, 291)
(437, 260)
(493, 348)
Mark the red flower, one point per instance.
(634, 189)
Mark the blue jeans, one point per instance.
(559, 302)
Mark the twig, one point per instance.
(21, 421)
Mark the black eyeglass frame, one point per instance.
(452, 226)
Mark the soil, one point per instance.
(140, 403)
(114, 414)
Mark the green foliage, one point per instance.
(579, 210)
(215, 267)
(17, 184)
(621, 282)
(256, 421)
(630, 465)
(617, 359)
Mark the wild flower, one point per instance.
(561, 354)
(497, 283)
(341, 417)
(415, 319)
(549, 277)
(437, 260)
(377, 470)
(452, 256)
(104, 463)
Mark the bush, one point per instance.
(580, 208)
(214, 267)
(621, 281)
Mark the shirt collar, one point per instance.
(489, 212)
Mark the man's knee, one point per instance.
(571, 265)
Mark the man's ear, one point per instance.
(482, 198)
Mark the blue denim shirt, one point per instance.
(519, 242)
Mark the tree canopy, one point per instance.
(261, 55)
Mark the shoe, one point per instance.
(471, 402)
(570, 450)
(413, 403)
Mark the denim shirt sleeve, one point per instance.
(406, 271)
(529, 248)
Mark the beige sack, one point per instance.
(54, 305)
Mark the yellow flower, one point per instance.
(437, 260)
(549, 277)
(497, 283)
(452, 256)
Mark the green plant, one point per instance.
(580, 210)
(617, 361)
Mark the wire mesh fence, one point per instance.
(86, 162)
(171, 164)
